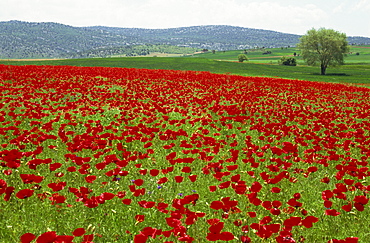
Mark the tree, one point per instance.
(324, 46)
(242, 58)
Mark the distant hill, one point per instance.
(53, 40)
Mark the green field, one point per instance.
(355, 70)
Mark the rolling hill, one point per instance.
(53, 40)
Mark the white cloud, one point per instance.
(362, 5)
(267, 15)
(339, 9)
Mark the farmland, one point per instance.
(356, 68)
(109, 154)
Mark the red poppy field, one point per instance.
(134, 155)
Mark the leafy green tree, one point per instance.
(242, 58)
(324, 46)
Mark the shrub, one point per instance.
(291, 61)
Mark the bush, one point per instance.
(242, 58)
(291, 61)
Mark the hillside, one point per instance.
(53, 40)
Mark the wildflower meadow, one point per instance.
(98, 154)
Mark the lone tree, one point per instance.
(242, 58)
(324, 46)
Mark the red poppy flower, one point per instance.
(143, 172)
(107, 196)
(309, 220)
(3, 186)
(57, 186)
(256, 187)
(162, 180)
(47, 237)
(231, 167)
(171, 156)
(90, 179)
(252, 214)
(347, 207)
(92, 202)
(146, 204)
(140, 238)
(121, 194)
(186, 169)
(8, 172)
(275, 190)
(275, 211)
(292, 221)
(265, 220)
(8, 192)
(328, 204)
(88, 238)
(64, 238)
(327, 194)
(216, 227)
(71, 169)
(212, 188)
(79, 232)
(25, 193)
(31, 178)
(245, 239)
(139, 218)
(332, 212)
(27, 237)
(154, 172)
(179, 179)
(224, 185)
(54, 166)
(56, 198)
(126, 201)
(193, 178)
(139, 182)
(325, 180)
(294, 203)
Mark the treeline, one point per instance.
(132, 51)
(217, 37)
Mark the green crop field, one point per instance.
(257, 56)
(356, 68)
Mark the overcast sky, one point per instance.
(289, 16)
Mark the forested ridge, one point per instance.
(20, 39)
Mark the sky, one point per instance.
(351, 17)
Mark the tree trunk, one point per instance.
(323, 69)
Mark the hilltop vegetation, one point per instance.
(52, 40)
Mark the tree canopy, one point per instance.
(242, 57)
(324, 46)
